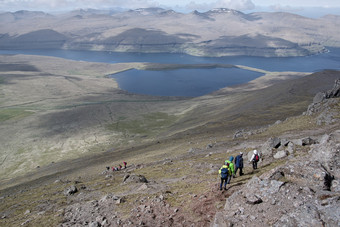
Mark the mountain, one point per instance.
(64, 126)
(40, 39)
(218, 32)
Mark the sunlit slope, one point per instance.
(53, 110)
(219, 32)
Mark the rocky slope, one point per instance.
(297, 183)
(220, 32)
(305, 189)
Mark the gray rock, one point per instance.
(135, 179)
(274, 142)
(306, 215)
(290, 148)
(238, 134)
(126, 177)
(301, 201)
(71, 190)
(253, 199)
(94, 224)
(280, 154)
(274, 186)
(121, 200)
(319, 97)
(335, 92)
(220, 220)
(277, 175)
(335, 186)
(26, 222)
(191, 150)
(307, 141)
(284, 142)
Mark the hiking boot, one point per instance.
(225, 189)
(220, 189)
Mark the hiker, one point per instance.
(113, 168)
(231, 167)
(239, 163)
(124, 165)
(255, 158)
(120, 166)
(224, 172)
(107, 167)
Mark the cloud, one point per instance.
(286, 8)
(55, 5)
(231, 4)
(10, 5)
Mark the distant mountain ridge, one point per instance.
(218, 32)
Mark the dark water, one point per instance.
(191, 82)
(182, 82)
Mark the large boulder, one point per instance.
(280, 154)
(335, 92)
(70, 190)
(320, 100)
(134, 179)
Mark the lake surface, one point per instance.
(191, 82)
(182, 82)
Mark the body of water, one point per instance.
(191, 82)
(182, 82)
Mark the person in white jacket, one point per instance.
(255, 158)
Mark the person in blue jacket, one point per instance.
(239, 163)
(224, 173)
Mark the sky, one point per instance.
(294, 6)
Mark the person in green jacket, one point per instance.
(224, 173)
(231, 167)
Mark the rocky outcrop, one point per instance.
(303, 191)
(134, 178)
(70, 190)
(322, 105)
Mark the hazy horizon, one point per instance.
(301, 7)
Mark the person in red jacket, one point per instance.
(255, 158)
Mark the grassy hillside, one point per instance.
(64, 122)
(61, 110)
(181, 184)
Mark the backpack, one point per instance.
(256, 158)
(224, 173)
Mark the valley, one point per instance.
(67, 120)
(55, 109)
(166, 141)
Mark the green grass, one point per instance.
(31, 200)
(290, 125)
(7, 114)
(149, 124)
(337, 107)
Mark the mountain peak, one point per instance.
(152, 11)
(224, 10)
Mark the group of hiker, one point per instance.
(229, 169)
(117, 168)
